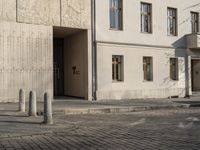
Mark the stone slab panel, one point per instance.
(26, 60)
(76, 13)
(45, 12)
(8, 10)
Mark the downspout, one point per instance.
(94, 62)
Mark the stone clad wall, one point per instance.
(75, 13)
(25, 59)
(26, 42)
(66, 13)
(39, 12)
(8, 10)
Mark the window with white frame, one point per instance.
(172, 21)
(146, 17)
(116, 14)
(195, 22)
(117, 68)
(148, 68)
(174, 68)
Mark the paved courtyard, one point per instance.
(159, 129)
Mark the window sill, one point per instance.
(117, 81)
(172, 35)
(112, 29)
(148, 81)
(148, 33)
(174, 80)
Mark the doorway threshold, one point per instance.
(67, 98)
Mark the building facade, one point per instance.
(45, 46)
(147, 48)
(99, 49)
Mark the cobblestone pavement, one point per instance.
(148, 130)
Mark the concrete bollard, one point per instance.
(32, 104)
(22, 102)
(48, 119)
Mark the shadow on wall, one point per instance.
(195, 5)
(180, 52)
(180, 43)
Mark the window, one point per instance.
(174, 68)
(172, 21)
(116, 14)
(148, 68)
(146, 17)
(195, 22)
(117, 68)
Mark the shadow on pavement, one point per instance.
(7, 110)
(191, 103)
(4, 115)
(21, 122)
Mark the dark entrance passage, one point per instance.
(58, 63)
(70, 63)
(195, 71)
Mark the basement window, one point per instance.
(148, 68)
(174, 69)
(117, 68)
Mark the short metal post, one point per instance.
(32, 104)
(48, 119)
(22, 100)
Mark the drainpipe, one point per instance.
(94, 63)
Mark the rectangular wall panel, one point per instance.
(8, 10)
(76, 13)
(39, 11)
(26, 60)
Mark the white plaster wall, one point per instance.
(131, 22)
(133, 45)
(25, 60)
(133, 85)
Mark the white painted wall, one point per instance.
(133, 85)
(131, 22)
(133, 45)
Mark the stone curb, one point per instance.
(114, 109)
(75, 111)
